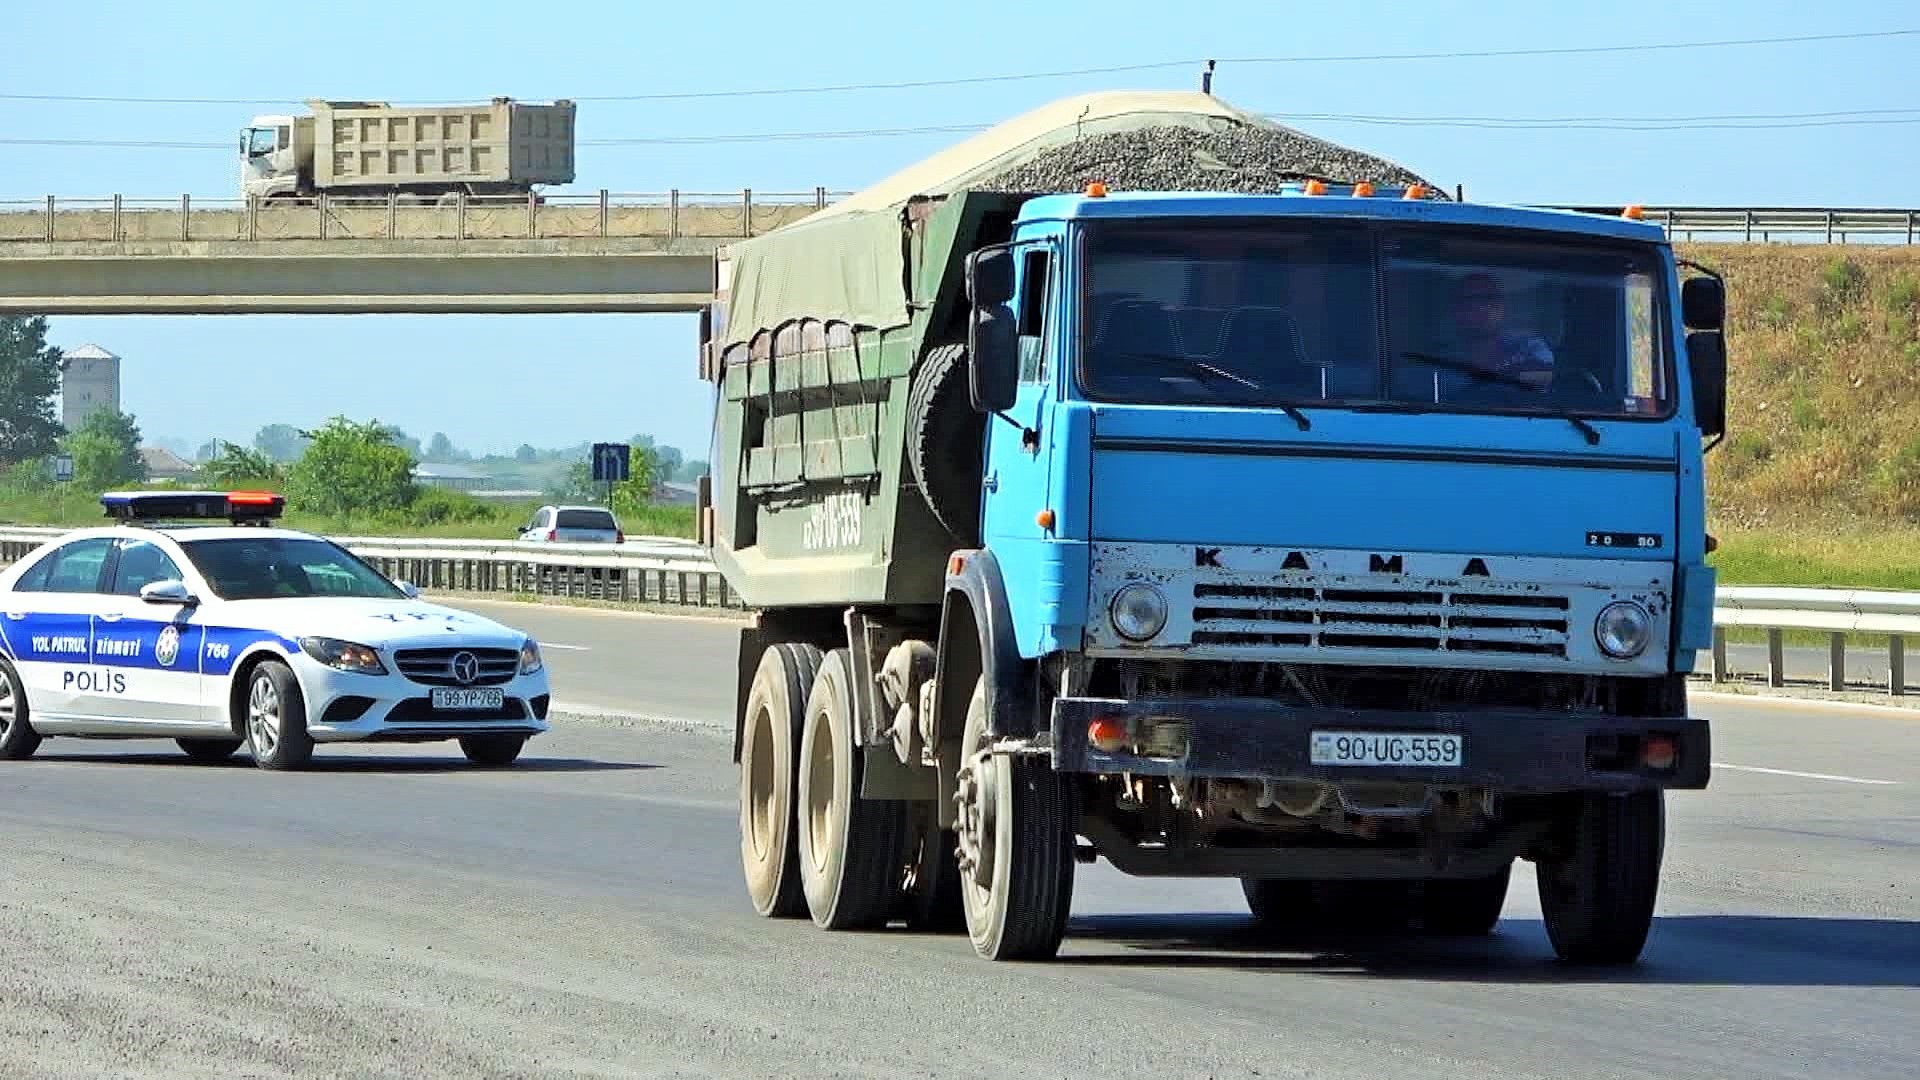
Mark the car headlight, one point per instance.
(1138, 611)
(345, 655)
(1623, 630)
(530, 661)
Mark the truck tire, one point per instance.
(851, 849)
(1463, 907)
(1598, 893)
(769, 743)
(1017, 838)
(944, 441)
(1327, 905)
(932, 900)
(1279, 903)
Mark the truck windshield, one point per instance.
(1270, 313)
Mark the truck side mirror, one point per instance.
(1703, 303)
(1707, 361)
(990, 277)
(993, 358)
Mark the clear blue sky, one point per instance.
(494, 382)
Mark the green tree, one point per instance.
(29, 378)
(106, 451)
(526, 454)
(281, 442)
(351, 467)
(441, 448)
(691, 471)
(235, 465)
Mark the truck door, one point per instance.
(1017, 459)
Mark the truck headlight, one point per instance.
(1623, 630)
(530, 658)
(1138, 611)
(344, 655)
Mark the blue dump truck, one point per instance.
(1346, 540)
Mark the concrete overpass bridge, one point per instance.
(333, 255)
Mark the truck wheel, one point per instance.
(775, 709)
(1598, 894)
(1016, 846)
(931, 894)
(18, 740)
(944, 441)
(851, 849)
(1463, 907)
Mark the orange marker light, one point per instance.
(1096, 190)
(1659, 752)
(251, 498)
(1634, 212)
(1044, 519)
(1107, 734)
(1362, 189)
(1315, 187)
(1417, 191)
(956, 564)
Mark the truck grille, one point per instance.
(1380, 619)
(434, 667)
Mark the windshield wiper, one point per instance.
(1191, 364)
(1592, 433)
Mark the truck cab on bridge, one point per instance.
(1341, 540)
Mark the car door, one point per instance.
(48, 624)
(156, 645)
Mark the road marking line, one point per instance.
(1803, 775)
(557, 645)
(1788, 701)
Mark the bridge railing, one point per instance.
(667, 215)
(668, 570)
(722, 215)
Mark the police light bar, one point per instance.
(237, 507)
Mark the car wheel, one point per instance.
(209, 750)
(276, 716)
(17, 738)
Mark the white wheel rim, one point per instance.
(263, 715)
(9, 707)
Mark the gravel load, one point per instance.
(1246, 160)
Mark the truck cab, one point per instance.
(1356, 523)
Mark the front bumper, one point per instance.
(348, 707)
(1515, 751)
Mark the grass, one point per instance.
(442, 514)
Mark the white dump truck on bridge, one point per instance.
(371, 148)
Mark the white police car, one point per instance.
(218, 634)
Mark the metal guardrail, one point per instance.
(1766, 224)
(674, 214)
(643, 570)
(1835, 612)
(668, 570)
(668, 215)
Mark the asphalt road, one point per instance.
(394, 913)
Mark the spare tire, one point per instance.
(944, 441)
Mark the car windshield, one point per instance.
(586, 519)
(1452, 319)
(273, 567)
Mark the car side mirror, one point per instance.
(408, 587)
(168, 592)
(1707, 363)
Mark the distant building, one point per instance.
(89, 380)
(457, 477)
(165, 465)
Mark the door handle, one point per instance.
(992, 482)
